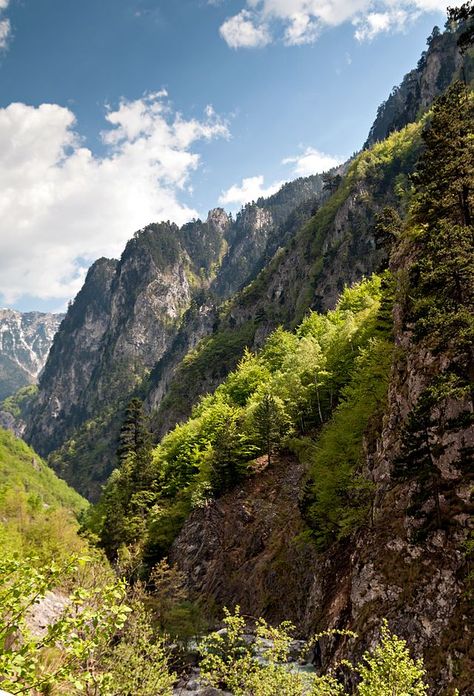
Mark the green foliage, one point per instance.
(263, 668)
(270, 422)
(290, 387)
(128, 493)
(17, 404)
(339, 496)
(388, 670)
(98, 645)
(229, 662)
(37, 509)
(441, 229)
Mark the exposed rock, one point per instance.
(436, 69)
(25, 340)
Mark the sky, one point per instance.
(118, 113)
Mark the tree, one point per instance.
(331, 182)
(442, 277)
(418, 457)
(231, 450)
(463, 18)
(388, 226)
(135, 441)
(271, 422)
(129, 492)
(444, 178)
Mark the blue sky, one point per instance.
(120, 112)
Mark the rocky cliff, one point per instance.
(436, 69)
(135, 318)
(251, 546)
(25, 340)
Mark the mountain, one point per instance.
(306, 370)
(328, 478)
(130, 313)
(25, 340)
(209, 289)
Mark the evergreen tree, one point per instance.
(444, 178)
(331, 182)
(463, 17)
(418, 457)
(442, 278)
(134, 438)
(126, 496)
(228, 456)
(271, 423)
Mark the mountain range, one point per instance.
(305, 370)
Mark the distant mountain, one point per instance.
(25, 340)
(173, 316)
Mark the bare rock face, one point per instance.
(243, 548)
(247, 547)
(136, 318)
(438, 66)
(25, 341)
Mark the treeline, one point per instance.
(289, 389)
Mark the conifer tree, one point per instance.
(271, 423)
(442, 278)
(418, 457)
(444, 178)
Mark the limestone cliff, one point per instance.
(436, 69)
(250, 548)
(136, 318)
(25, 340)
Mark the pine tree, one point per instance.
(442, 278)
(271, 423)
(418, 457)
(127, 495)
(444, 179)
(134, 450)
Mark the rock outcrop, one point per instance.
(436, 69)
(136, 318)
(25, 341)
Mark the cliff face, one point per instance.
(25, 340)
(141, 315)
(335, 246)
(436, 69)
(249, 547)
(211, 288)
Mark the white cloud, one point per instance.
(241, 31)
(61, 206)
(5, 26)
(251, 189)
(376, 22)
(5, 31)
(301, 21)
(312, 161)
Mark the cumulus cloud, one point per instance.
(62, 206)
(251, 189)
(5, 26)
(312, 161)
(299, 22)
(243, 31)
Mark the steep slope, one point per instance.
(337, 246)
(23, 470)
(359, 503)
(438, 66)
(25, 340)
(38, 511)
(182, 304)
(131, 314)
